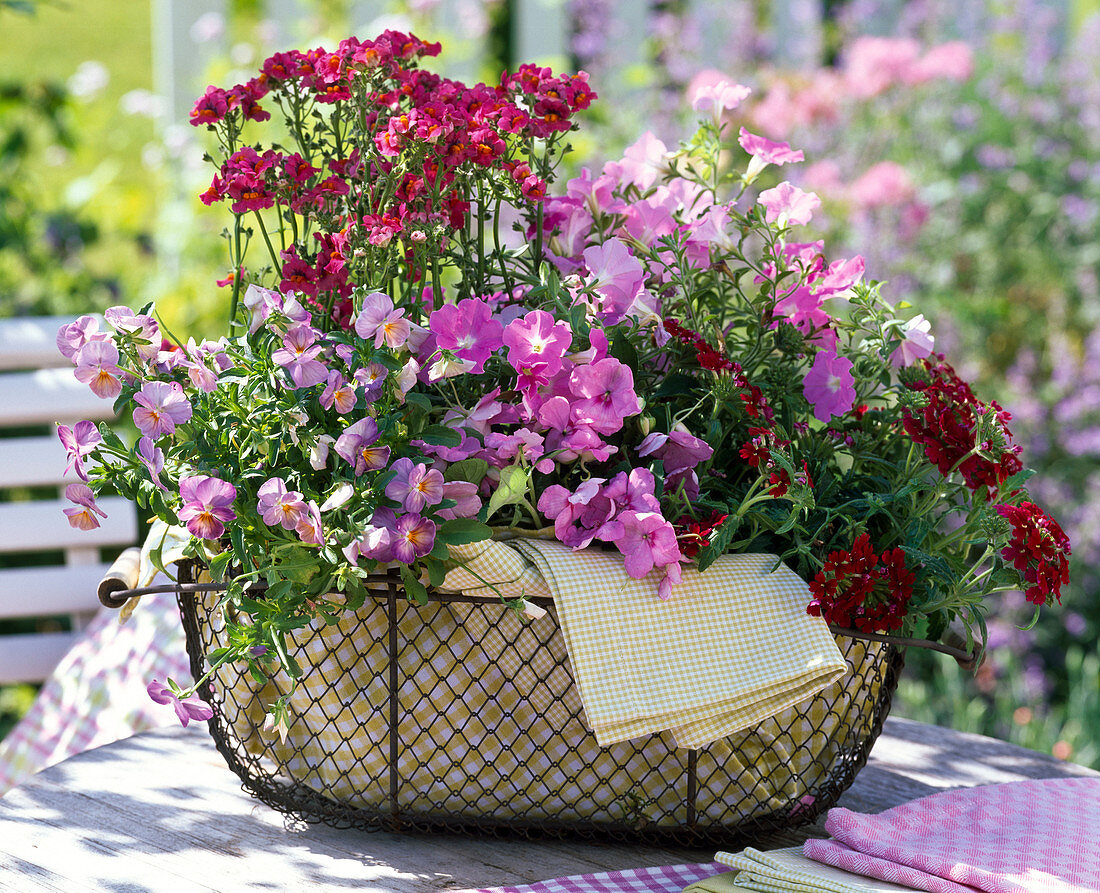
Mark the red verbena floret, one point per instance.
(692, 534)
(1038, 549)
(947, 428)
(860, 590)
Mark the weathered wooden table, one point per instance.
(161, 812)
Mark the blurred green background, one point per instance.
(975, 193)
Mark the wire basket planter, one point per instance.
(460, 716)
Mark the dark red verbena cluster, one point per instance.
(1039, 550)
(693, 535)
(947, 428)
(430, 128)
(756, 404)
(860, 590)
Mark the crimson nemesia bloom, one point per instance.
(299, 356)
(414, 485)
(82, 516)
(1039, 550)
(207, 505)
(79, 441)
(97, 367)
(161, 407)
(829, 385)
(186, 709)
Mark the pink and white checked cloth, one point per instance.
(1021, 837)
(663, 879)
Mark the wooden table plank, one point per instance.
(160, 811)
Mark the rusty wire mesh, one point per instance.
(498, 743)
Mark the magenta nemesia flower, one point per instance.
(787, 204)
(298, 356)
(414, 485)
(379, 319)
(279, 506)
(207, 505)
(357, 446)
(413, 537)
(97, 367)
(186, 709)
(468, 330)
(82, 516)
(161, 407)
(829, 385)
(79, 441)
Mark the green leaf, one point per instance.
(414, 589)
(459, 531)
(422, 401)
(676, 384)
(472, 470)
(437, 571)
(512, 490)
(440, 435)
(720, 539)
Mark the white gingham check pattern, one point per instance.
(731, 648)
(97, 694)
(788, 871)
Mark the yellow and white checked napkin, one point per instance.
(732, 647)
(786, 871)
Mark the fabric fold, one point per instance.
(787, 871)
(732, 647)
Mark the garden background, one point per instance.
(973, 191)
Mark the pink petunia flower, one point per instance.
(764, 152)
(467, 502)
(468, 330)
(298, 356)
(97, 367)
(616, 276)
(606, 395)
(917, 342)
(787, 204)
(207, 505)
(678, 451)
(711, 92)
(187, 709)
(829, 385)
(414, 485)
(82, 516)
(162, 406)
(537, 340)
(79, 441)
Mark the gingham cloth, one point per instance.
(1019, 837)
(732, 647)
(664, 879)
(786, 871)
(97, 694)
(491, 722)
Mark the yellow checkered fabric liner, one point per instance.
(491, 721)
(786, 871)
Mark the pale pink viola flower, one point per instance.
(260, 303)
(414, 485)
(82, 516)
(537, 339)
(468, 330)
(406, 378)
(648, 541)
(413, 537)
(829, 386)
(73, 336)
(79, 441)
(787, 204)
(713, 93)
(615, 275)
(161, 406)
(338, 497)
(139, 329)
(187, 709)
(309, 527)
(357, 446)
(207, 505)
(605, 392)
(152, 457)
(338, 393)
(764, 152)
(279, 506)
(381, 321)
(917, 342)
(97, 367)
(318, 452)
(372, 378)
(298, 356)
(467, 502)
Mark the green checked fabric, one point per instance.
(787, 871)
